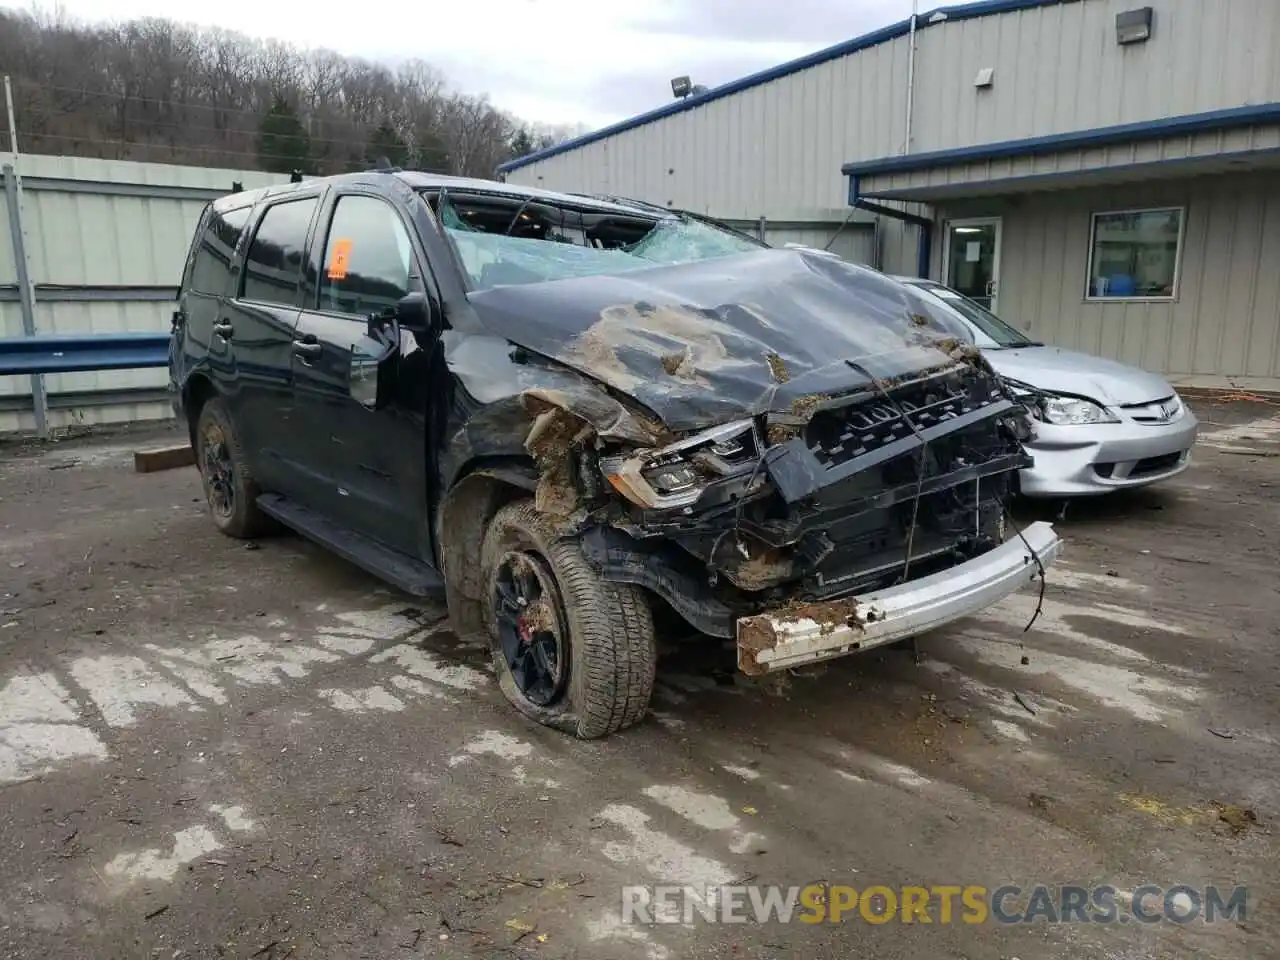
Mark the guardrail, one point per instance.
(82, 352)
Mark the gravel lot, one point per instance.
(208, 750)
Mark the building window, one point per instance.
(1134, 254)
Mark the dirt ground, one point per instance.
(211, 750)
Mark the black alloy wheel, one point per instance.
(532, 632)
(219, 471)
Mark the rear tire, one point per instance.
(229, 487)
(571, 650)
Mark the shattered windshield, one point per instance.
(538, 242)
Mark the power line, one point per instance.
(135, 98)
(171, 147)
(342, 141)
(258, 116)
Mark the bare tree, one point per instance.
(155, 90)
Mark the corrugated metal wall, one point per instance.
(1058, 68)
(90, 226)
(855, 241)
(776, 149)
(1225, 322)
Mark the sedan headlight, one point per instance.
(1071, 410)
(675, 475)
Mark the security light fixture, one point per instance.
(682, 87)
(1134, 26)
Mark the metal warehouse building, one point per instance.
(1106, 175)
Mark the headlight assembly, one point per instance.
(674, 476)
(1071, 410)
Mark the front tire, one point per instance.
(229, 487)
(572, 650)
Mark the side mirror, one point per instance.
(416, 313)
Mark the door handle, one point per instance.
(224, 329)
(306, 349)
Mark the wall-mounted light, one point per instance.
(1134, 26)
(682, 87)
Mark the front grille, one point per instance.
(837, 436)
(1163, 410)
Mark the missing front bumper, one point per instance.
(776, 641)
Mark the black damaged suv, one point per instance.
(565, 412)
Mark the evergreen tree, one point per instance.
(431, 154)
(283, 143)
(385, 142)
(522, 143)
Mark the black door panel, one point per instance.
(253, 338)
(208, 282)
(374, 458)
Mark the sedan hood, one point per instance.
(1055, 370)
(707, 342)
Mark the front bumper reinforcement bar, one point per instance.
(779, 640)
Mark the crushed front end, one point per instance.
(838, 524)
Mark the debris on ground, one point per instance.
(449, 839)
(1237, 818)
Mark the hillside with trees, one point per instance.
(164, 92)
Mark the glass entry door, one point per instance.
(973, 259)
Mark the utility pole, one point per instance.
(22, 268)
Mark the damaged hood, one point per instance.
(706, 342)
(1057, 370)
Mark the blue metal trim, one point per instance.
(1030, 180)
(1184, 125)
(77, 353)
(933, 18)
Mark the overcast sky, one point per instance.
(556, 61)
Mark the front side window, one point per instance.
(211, 267)
(1134, 254)
(368, 259)
(272, 266)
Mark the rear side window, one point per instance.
(368, 260)
(272, 265)
(211, 266)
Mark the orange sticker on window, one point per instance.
(339, 256)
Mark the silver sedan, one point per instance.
(1099, 425)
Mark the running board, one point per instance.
(399, 569)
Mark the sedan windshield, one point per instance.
(503, 241)
(990, 331)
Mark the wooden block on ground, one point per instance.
(163, 458)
